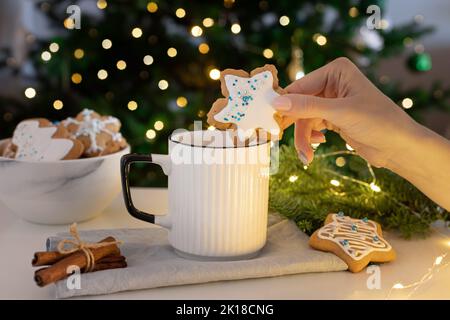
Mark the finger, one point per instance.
(325, 80)
(302, 106)
(312, 83)
(317, 137)
(302, 138)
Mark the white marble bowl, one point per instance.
(60, 192)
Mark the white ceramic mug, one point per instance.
(218, 195)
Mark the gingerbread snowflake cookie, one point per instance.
(99, 134)
(247, 105)
(40, 140)
(356, 241)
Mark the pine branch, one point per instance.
(307, 200)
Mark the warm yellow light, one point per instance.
(340, 161)
(54, 47)
(78, 53)
(46, 56)
(121, 65)
(76, 78)
(148, 59)
(268, 53)
(171, 52)
(335, 183)
(203, 48)
(58, 104)
(284, 20)
(349, 147)
(102, 4)
(321, 40)
(136, 32)
(214, 74)
(152, 7)
(374, 187)
(353, 12)
(384, 24)
(69, 23)
(132, 105)
(150, 134)
(235, 28)
(102, 74)
(293, 178)
(407, 103)
(208, 22)
(182, 102)
(30, 93)
(211, 128)
(438, 260)
(180, 13)
(196, 31)
(163, 84)
(106, 44)
(315, 145)
(159, 125)
(398, 286)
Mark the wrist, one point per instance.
(409, 151)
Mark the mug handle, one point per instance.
(125, 164)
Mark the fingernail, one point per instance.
(303, 158)
(282, 103)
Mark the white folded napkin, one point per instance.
(153, 263)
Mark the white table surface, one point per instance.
(20, 239)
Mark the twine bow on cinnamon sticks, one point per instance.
(85, 247)
(87, 256)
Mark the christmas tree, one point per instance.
(155, 64)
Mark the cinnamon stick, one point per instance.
(109, 265)
(58, 271)
(44, 258)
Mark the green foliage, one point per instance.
(308, 200)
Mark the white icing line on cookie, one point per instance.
(249, 103)
(357, 238)
(36, 144)
(90, 127)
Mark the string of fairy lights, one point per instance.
(438, 265)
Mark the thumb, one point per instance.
(303, 106)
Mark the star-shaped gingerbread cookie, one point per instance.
(356, 241)
(247, 105)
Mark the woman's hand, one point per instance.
(340, 98)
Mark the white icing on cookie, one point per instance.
(36, 144)
(90, 127)
(356, 237)
(249, 104)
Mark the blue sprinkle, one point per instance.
(376, 239)
(239, 119)
(255, 80)
(226, 119)
(354, 227)
(340, 213)
(234, 84)
(365, 219)
(344, 242)
(235, 104)
(248, 81)
(265, 76)
(239, 92)
(230, 98)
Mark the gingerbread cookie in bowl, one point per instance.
(247, 105)
(99, 134)
(39, 140)
(356, 241)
